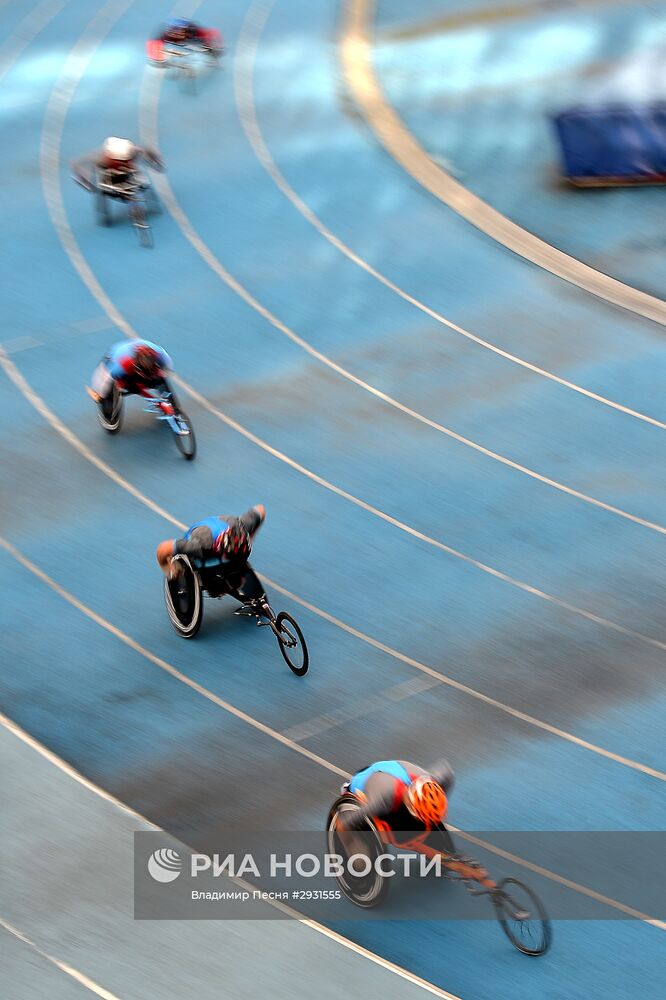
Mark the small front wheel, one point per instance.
(292, 644)
(141, 225)
(184, 435)
(522, 917)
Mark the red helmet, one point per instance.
(146, 361)
(426, 800)
(234, 543)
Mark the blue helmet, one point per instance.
(179, 23)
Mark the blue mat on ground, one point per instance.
(613, 144)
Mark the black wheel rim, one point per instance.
(292, 644)
(363, 890)
(522, 917)
(182, 597)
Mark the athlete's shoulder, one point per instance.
(413, 770)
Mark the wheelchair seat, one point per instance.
(117, 183)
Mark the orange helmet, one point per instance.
(426, 800)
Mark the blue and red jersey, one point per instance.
(120, 364)
(381, 789)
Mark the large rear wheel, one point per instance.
(183, 599)
(110, 411)
(365, 888)
(522, 917)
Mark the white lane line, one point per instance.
(69, 970)
(26, 31)
(148, 131)
(370, 703)
(246, 54)
(54, 119)
(546, 873)
(273, 734)
(18, 379)
(465, 689)
(67, 769)
(358, 72)
(21, 344)
(38, 403)
(163, 665)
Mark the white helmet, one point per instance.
(118, 149)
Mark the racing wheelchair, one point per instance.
(518, 910)
(164, 406)
(132, 188)
(194, 578)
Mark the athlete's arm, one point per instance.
(164, 553)
(254, 518)
(199, 545)
(83, 170)
(378, 805)
(152, 158)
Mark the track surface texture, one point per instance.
(460, 453)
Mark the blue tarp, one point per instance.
(613, 142)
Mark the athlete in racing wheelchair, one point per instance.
(213, 557)
(180, 33)
(114, 172)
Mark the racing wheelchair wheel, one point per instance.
(364, 890)
(139, 218)
(292, 644)
(102, 209)
(522, 917)
(183, 599)
(185, 439)
(110, 411)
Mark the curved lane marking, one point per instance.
(401, 145)
(57, 425)
(54, 120)
(296, 747)
(246, 53)
(149, 134)
(25, 32)
(429, 987)
(69, 970)
(50, 159)
(67, 769)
